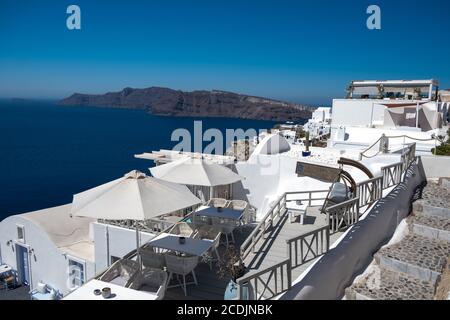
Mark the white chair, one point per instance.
(181, 266)
(240, 205)
(121, 272)
(182, 229)
(225, 226)
(237, 204)
(151, 280)
(213, 236)
(151, 259)
(217, 203)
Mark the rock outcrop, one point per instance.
(168, 102)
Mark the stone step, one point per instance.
(416, 256)
(435, 201)
(383, 284)
(433, 227)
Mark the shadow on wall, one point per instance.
(331, 275)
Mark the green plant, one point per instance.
(444, 148)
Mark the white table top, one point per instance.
(226, 213)
(292, 205)
(196, 247)
(86, 292)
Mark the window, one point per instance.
(20, 233)
(76, 273)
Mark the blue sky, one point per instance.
(303, 51)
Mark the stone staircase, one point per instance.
(415, 267)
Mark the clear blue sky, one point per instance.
(304, 51)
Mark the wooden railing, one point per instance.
(308, 246)
(343, 215)
(409, 156)
(266, 284)
(369, 191)
(310, 198)
(392, 174)
(276, 212)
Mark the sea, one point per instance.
(50, 152)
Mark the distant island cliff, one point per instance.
(215, 103)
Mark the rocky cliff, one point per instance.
(164, 101)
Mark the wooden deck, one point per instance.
(269, 252)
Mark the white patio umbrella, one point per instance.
(135, 196)
(194, 171)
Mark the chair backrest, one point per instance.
(238, 204)
(224, 225)
(217, 202)
(123, 267)
(151, 276)
(181, 264)
(152, 259)
(182, 229)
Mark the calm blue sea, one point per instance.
(49, 152)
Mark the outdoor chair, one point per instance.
(181, 266)
(217, 203)
(121, 272)
(151, 280)
(210, 235)
(152, 259)
(182, 229)
(225, 226)
(240, 205)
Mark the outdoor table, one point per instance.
(296, 209)
(86, 292)
(196, 247)
(223, 213)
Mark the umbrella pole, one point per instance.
(138, 249)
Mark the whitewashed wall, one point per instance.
(47, 263)
(121, 242)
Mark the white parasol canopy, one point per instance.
(135, 196)
(199, 172)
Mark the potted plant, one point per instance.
(231, 266)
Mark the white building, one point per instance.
(409, 110)
(50, 247)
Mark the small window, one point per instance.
(76, 273)
(20, 233)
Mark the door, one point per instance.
(23, 264)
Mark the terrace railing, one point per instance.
(268, 283)
(277, 211)
(369, 191)
(151, 226)
(308, 246)
(343, 215)
(392, 174)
